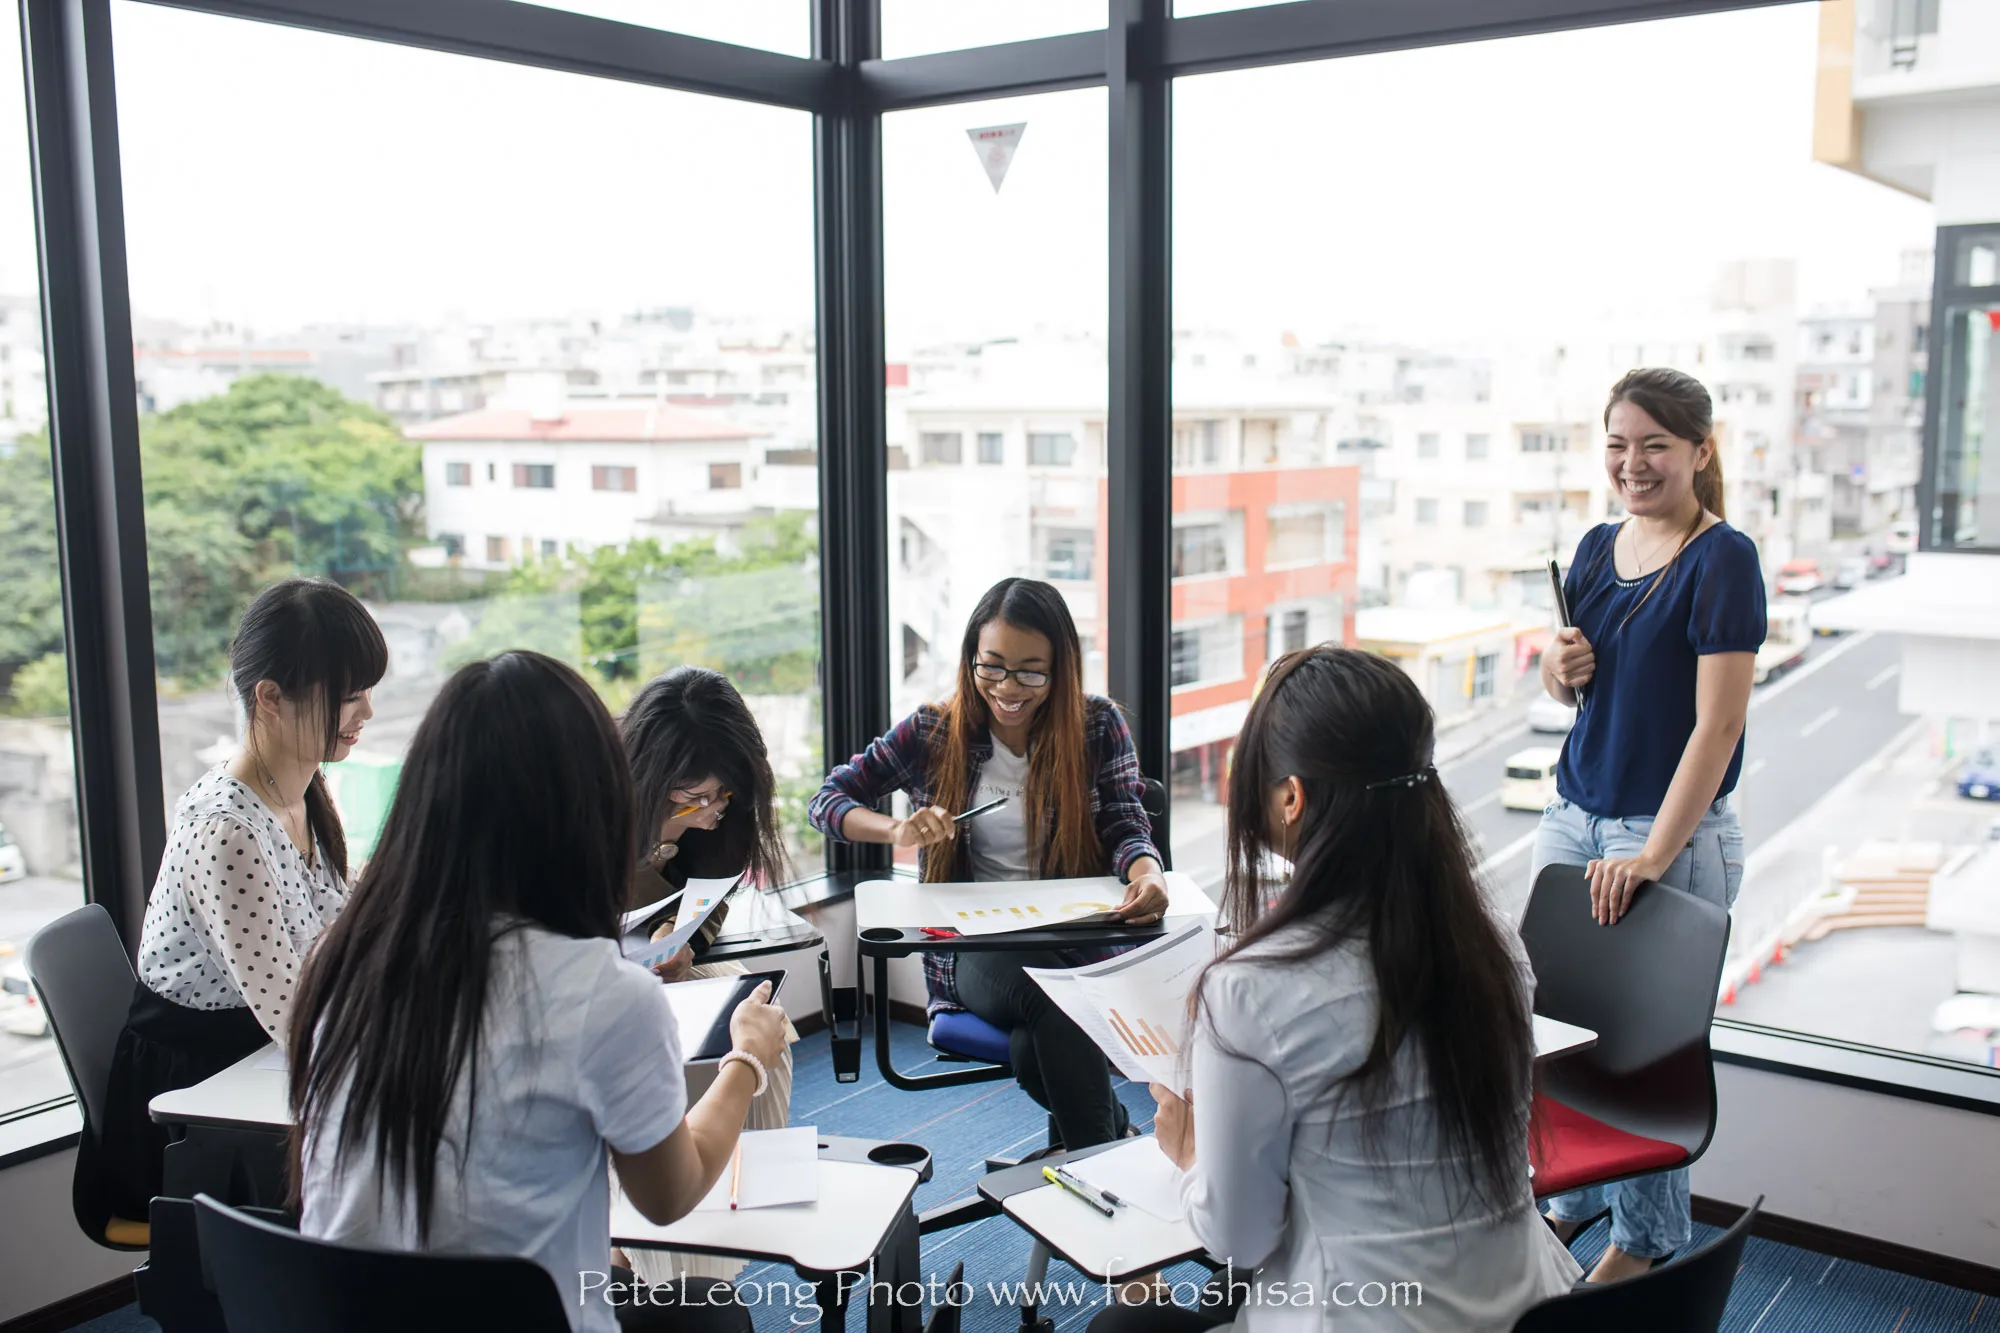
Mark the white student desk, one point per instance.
(1131, 1241)
(861, 1227)
(891, 917)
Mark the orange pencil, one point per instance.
(735, 1174)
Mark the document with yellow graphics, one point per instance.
(1030, 904)
(1135, 1006)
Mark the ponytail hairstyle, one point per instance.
(1382, 860)
(683, 728)
(1062, 840)
(1680, 404)
(514, 809)
(315, 641)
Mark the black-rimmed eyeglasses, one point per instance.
(993, 671)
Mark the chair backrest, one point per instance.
(946, 1315)
(1685, 1296)
(270, 1279)
(1647, 986)
(85, 980)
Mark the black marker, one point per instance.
(978, 810)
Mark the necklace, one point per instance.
(301, 838)
(1644, 561)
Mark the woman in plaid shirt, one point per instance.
(1021, 727)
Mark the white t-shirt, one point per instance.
(999, 846)
(579, 1051)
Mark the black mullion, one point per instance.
(94, 440)
(1324, 29)
(528, 34)
(1140, 485)
(853, 458)
(1039, 65)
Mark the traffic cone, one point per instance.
(1756, 973)
(1729, 993)
(1779, 954)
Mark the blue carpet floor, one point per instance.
(1780, 1289)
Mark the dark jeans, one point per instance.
(1057, 1065)
(691, 1305)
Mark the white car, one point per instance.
(1551, 715)
(1529, 781)
(13, 865)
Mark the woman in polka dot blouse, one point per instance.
(255, 869)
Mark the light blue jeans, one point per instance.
(1649, 1214)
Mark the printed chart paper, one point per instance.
(1028, 904)
(1135, 1006)
(698, 903)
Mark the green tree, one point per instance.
(41, 688)
(280, 475)
(31, 611)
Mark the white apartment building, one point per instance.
(1836, 394)
(508, 484)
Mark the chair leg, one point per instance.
(1032, 1320)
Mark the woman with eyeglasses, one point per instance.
(1019, 727)
(703, 787)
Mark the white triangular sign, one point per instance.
(996, 145)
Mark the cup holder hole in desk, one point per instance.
(881, 935)
(898, 1154)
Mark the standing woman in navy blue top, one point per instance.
(1668, 606)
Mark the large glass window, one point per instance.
(40, 862)
(466, 345)
(995, 333)
(1452, 380)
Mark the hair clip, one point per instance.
(1415, 779)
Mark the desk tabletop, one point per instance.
(758, 925)
(837, 1233)
(1110, 1249)
(890, 916)
(253, 1093)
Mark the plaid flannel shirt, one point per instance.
(900, 761)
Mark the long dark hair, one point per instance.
(683, 728)
(318, 644)
(1062, 838)
(1389, 867)
(515, 801)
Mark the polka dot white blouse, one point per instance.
(235, 907)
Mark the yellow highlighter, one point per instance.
(1069, 1184)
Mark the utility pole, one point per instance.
(1561, 441)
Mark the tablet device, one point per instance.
(702, 1008)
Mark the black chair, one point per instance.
(947, 1315)
(1685, 1296)
(85, 983)
(1643, 1098)
(270, 1279)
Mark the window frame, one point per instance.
(846, 87)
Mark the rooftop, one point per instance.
(652, 424)
(1943, 595)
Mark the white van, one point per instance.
(1530, 781)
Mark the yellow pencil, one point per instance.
(735, 1174)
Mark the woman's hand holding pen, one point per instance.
(1173, 1127)
(1145, 893)
(1572, 661)
(924, 828)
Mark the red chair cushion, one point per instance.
(1571, 1150)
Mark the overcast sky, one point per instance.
(276, 177)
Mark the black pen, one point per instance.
(978, 810)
